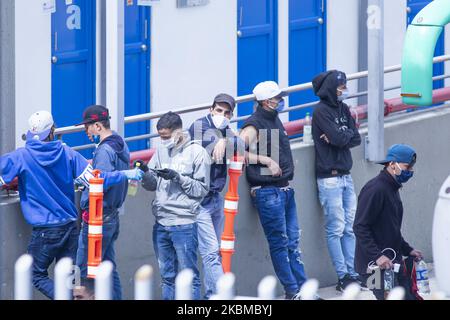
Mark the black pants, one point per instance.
(401, 279)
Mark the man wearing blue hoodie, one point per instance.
(111, 155)
(47, 171)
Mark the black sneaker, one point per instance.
(359, 280)
(344, 282)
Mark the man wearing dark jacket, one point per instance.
(334, 132)
(217, 138)
(110, 155)
(271, 167)
(379, 219)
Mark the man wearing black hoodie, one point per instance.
(111, 154)
(334, 133)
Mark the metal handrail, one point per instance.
(247, 98)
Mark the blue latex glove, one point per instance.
(134, 174)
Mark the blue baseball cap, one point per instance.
(400, 153)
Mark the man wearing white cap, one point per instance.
(47, 170)
(268, 175)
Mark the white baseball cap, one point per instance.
(267, 90)
(40, 125)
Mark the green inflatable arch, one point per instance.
(418, 52)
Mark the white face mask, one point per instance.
(169, 143)
(220, 122)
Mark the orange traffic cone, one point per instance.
(230, 210)
(95, 224)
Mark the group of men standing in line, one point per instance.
(188, 173)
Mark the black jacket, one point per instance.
(378, 222)
(265, 122)
(332, 118)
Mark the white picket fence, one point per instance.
(143, 282)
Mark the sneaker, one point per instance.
(359, 280)
(344, 282)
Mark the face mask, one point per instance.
(220, 122)
(169, 143)
(96, 139)
(344, 95)
(281, 105)
(404, 175)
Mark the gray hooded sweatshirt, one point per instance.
(176, 202)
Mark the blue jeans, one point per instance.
(47, 245)
(278, 215)
(176, 249)
(110, 235)
(338, 200)
(210, 222)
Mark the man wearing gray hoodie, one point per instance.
(179, 172)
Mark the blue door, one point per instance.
(73, 68)
(137, 70)
(414, 7)
(307, 49)
(257, 49)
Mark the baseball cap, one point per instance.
(400, 153)
(268, 90)
(94, 113)
(40, 125)
(225, 98)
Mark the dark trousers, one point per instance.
(47, 245)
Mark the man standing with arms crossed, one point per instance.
(335, 133)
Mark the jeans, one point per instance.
(210, 222)
(278, 215)
(110, 235)
(47, 245)
(176, 249)
(338, 200)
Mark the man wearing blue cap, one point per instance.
(378, 221)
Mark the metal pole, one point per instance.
(266, 288)
(375, 24)
(225, 287)
(143, 283)
(63, 271)
(22, 284)
(351, 292)
(103, 281)
(309, 289)
(183, 285)
(115, 63)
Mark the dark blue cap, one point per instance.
(400, 153)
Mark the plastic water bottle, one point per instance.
(133, 184)
(388, 280)
(307, 130)
(423, 284)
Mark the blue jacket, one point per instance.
(111, 155)
(46, 172)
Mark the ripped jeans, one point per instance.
(278, 215)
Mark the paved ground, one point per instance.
(330, 293)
